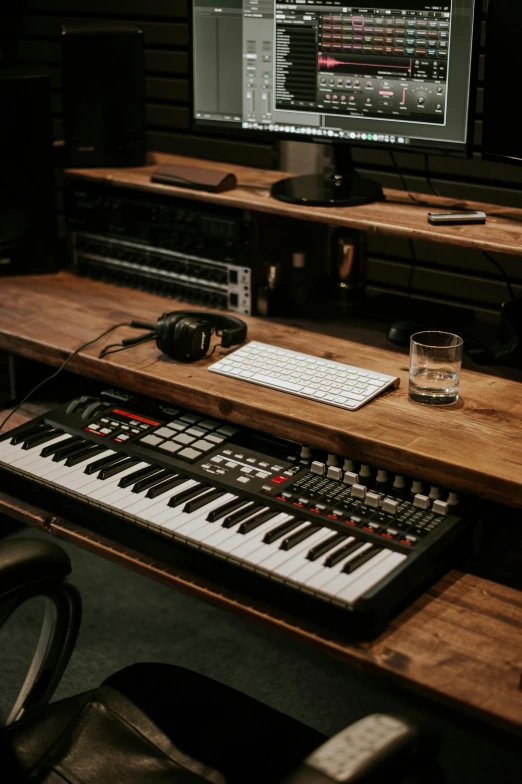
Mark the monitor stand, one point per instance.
(343, 188)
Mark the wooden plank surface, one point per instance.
(460, 643)
(398, 216)
(473, 446)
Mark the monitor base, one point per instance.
(318, 191)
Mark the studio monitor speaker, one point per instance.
(103, 80)
(28, 223)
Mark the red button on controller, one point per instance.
(277, 480)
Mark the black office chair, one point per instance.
(160, 724)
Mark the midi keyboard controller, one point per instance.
(339, 538)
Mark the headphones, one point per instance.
(185, 334)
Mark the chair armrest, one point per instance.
(378, 748)
(29, 565)
(31, 568)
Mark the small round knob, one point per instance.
(332, 460)
(416, 486)
(365, 471)
(348, 464)
(306, 452)
(382, 475)
(453, 499)
(434, 492)
(399, 482)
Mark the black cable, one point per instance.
(432, 188)
(123, 346)
(502, 271)
(62, 366)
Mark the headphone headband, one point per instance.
(233, 330)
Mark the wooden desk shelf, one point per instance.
(398, 216)
(474, 446)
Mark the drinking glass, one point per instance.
(435, 363)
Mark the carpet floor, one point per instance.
(128, 618)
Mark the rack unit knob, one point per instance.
(306, 452)
(332, 460)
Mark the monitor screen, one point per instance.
(389, 75)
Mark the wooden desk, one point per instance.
(473, 446)
(459, 644)
(398, 216)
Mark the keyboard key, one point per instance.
(164, 487)
(141, 473)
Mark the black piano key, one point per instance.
(281, 530)
(256, 521)
(47, 451)
(323, 547)
(221, 511)
(85, 454)
(150, 481)
(68, 451)
(164, 487)
(117, 468)
(142, 473)
(203, 500)
(103, 462)
(41, 427)
(300, 536)
(238, 517)
(343, 552)
(188, 495)
(355, 563)
(40, 438)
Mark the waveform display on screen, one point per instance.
(329, 62)
(370, 65)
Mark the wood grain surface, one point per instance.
(397, 216)
(473, 446)
(460, 643)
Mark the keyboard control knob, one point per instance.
(421, 501)
(365, 471)
(318, 468)
(348, 464)
(332, 460)
(351, 478)
(434, 492)
(399, 482)
(416, 487)
(359, 491)
(335, 473)
(306, 452)
(440, 507)
(372, 499)
(382, 476)
(390, 506)
(453, 499)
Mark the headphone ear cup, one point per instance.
(165, 332)
(190, 339)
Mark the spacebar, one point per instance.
(277, 382)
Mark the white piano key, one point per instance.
(160, 513)
(75, 473)
(24, 457)
(303, 568)
(371, 577)
(187, 524)
(329, 572)
(109, 490)
(342, 580)
(252, 540)
(284, 562)
(9, 451)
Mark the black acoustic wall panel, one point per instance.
(27, 186)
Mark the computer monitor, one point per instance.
(501, 138)
(399, 76)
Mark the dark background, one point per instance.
(443, 274)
